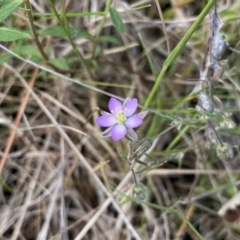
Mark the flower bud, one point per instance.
(224, 152)
(139, 191)
(124, 196)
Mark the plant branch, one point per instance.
(36, 39)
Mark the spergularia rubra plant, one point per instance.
(121, 121)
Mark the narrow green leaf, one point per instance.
(97, 51)
(7, 7)
(60, 63)
(11, 34)
(32, 52)
(84, 34)
(96, 65)
(176, 51)
(110, 39)
(116, 19)
(55, 31)
(65, 23)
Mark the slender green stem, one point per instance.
(134, 176)
(65, 26)
(141, 162)
(214, 130)
(177, 138)
(36, 39)
(106, 10)
(150, 63)
(35, 36)
(173, 55)
(172, 211)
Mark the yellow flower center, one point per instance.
(120, 118)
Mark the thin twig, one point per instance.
(163, 24)
(17, 120)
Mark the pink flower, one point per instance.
(121, 120)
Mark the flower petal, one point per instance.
(115, 106)
(104, 113)
(134, 121)
(118, 132)
(143, 114)
(130, 107)
(106, 120)
(131, 135)
(126, 100)
(107, 132)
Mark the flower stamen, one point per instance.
(120, 118)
